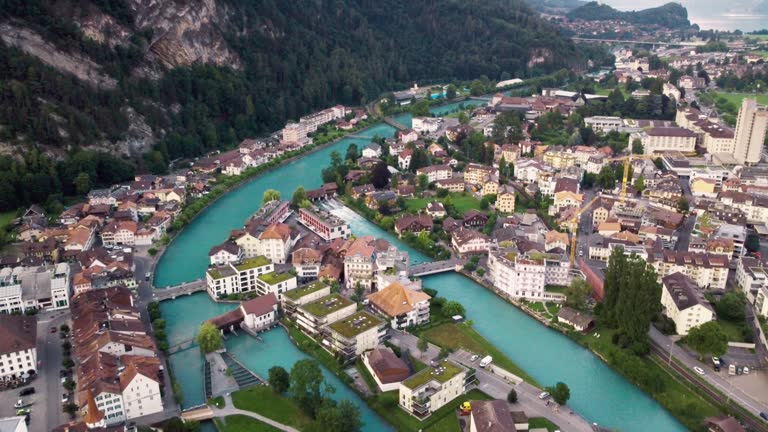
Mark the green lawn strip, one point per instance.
(241, 423)
(6, 218)
(386, 405)
(460, 201)
(217, 401)
(541, 422)
(736, 98)
(552, 308)
(262, 400)
(733, 330)
(456, 336)
(681, 401)
(367, 377)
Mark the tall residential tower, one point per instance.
(751, 127)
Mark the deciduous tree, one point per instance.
(560, 393)
(707, 339)
(308, 388)
(208, 338)
(279, 379)
(270, 195)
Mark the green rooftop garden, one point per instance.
(215, 273)
(220, 272)
(306, 289)
(421, 378)
(327, 305)
(249, 263)
(355, 324)
(274, 277)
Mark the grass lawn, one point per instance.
(541, 422)
(682, 401)
(241, 423)
(733, 330)
(736, 98)
(444, 419)
(460, 201)
(457, 336)
(262, 400)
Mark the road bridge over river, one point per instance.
(186, 288)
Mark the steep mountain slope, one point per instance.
(172, 78)
(670, 15)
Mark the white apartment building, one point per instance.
(119, 233)
(751, 127)
(237, 278)
(425, 124)
(436, 172)
(274, 242)
(314, 316)
(466, 241)
(42, 288)
(277, 283)
(225, 253)
(351, 336)
(18, 351)
(359, 263)
(431, 388)
(708, 271)
(683, 303)
(307, 294)
(525, 276)
(324, 224)
(662, 139)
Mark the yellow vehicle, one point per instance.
(465, 408)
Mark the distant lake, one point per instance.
(710, 14)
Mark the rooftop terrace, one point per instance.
(250, 263)
(275, 277)
(327, 305)
(441, 373)
(305, 290)
(355, 324)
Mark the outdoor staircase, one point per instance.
(242, 375)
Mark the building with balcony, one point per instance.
(236, 278)
(403, 306)
(35, 288)
(351, 336)
(431, 388)
(313, 317)
(275, 282)
(303, 295)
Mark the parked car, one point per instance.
(64, 398)
(63, 374)
(746, 370)
(27, 391)
(544, 395)
(764, 415)
(474, 358)
(63, 379)
(698, 370)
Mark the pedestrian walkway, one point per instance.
(229, 409)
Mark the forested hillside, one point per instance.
(158, 80)
(672, 15)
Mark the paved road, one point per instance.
(47, 411)
(713, 378)
(498, 387)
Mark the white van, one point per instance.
(486, 361)
(732, 369)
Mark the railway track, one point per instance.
(752, 423)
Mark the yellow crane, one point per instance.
(627, 160)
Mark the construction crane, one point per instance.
(575, 227)
(627, 160)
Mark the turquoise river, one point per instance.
(597, 392)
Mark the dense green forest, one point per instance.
(297, 57)
(672, 15)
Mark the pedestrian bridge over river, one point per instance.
(434, 267)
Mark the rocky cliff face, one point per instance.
(186, 31)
